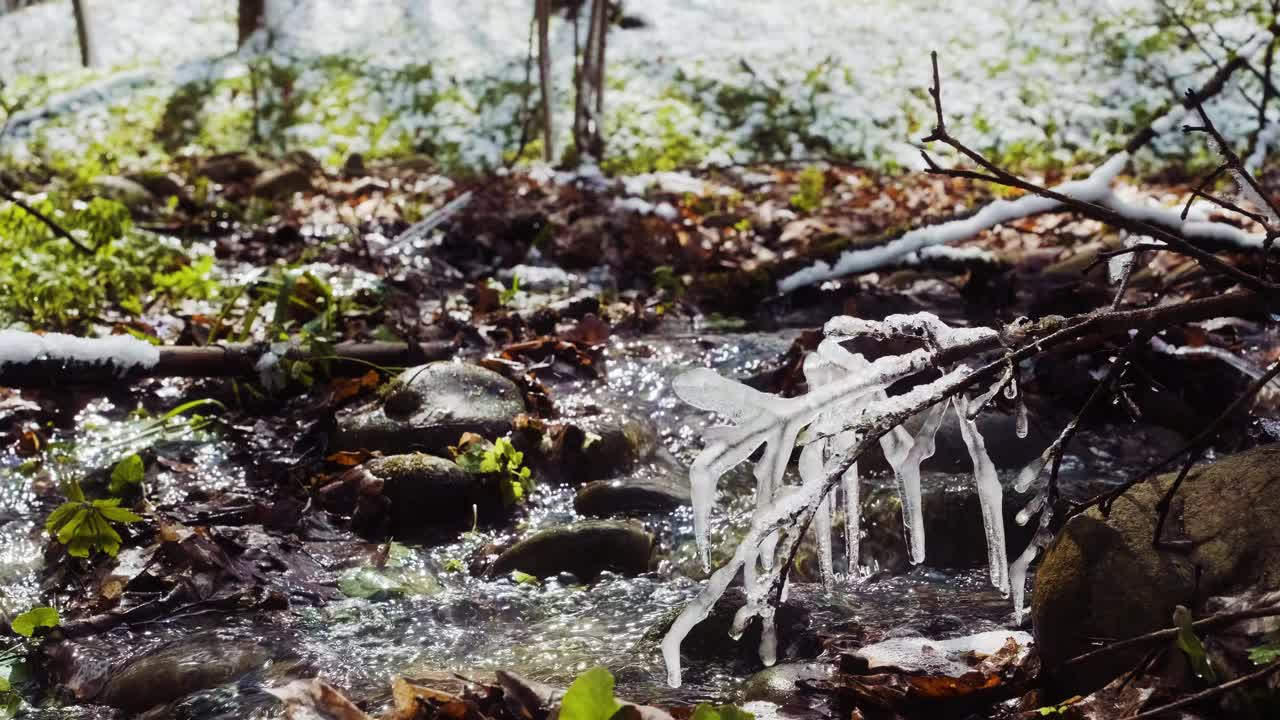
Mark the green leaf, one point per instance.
(524, 578)
(1189, 643)
(590, 697)
(61, 515)
(28, 622)
(721, 712)
(126, 474)
(108, 510)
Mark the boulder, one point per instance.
(1102, 576)
(429, 407)
(584, 549)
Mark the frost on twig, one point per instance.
(845, 409)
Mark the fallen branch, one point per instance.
(1207, 694)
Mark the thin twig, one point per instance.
(1209, 623)
(1207, 694)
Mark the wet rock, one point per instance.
(230, 168)
(954, 534)
(584, 549)
(777, 684)
(430, 407)
(709, 640)
(354, 166)
(177, 670)
(282, 182)
(123, 190)
(1102, 577)
(602, 446)
(423, 493)
(654, 488)
(161, 185)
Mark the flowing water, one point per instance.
(469, 625)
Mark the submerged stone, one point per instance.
(429, 407)
(584, 548)
(180, 669)
(653, 488)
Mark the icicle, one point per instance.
(852, 518)
(812, 471)
(990, 494)
(822, 529)
(904, 455)
(980, 403)
(1011, 388)
(1021, 425)
(1018, 568)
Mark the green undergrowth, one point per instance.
(113, 269)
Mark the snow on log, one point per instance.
(31, 360)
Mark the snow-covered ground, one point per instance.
(701, 81)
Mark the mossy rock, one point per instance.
(1103, 577)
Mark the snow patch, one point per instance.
(123, 352)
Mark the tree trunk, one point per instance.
(543, 10)
(251, 17)
(82, 33)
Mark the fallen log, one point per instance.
(30, 361)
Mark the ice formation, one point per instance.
(123, 352)
(845, 409)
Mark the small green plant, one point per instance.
(84, 526)
(1266, 653)
(1191, 646)
(126, 475)
(813, 186)
(590, 697)
(28, 622)
(475, 454)
(50, 282)
(666, 280)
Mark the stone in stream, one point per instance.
(1102, 577)
(229, 168)
(710, 641)
(594, 447)
(778, 684)
(584, 548)
(180, 669)
(421, 493)
(282, 182)
(429, 407)
(161, 185)
(127, 192)
(655, 487)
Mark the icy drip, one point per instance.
(990, 494)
